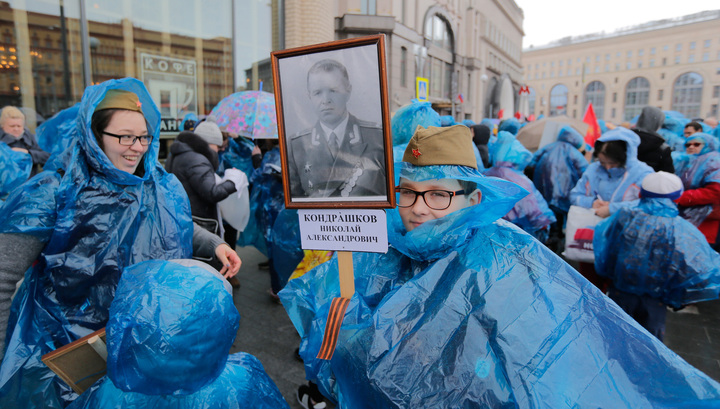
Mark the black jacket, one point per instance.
(194, 164)
(654, 151)
(27, 141)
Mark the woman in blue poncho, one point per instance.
(611, 182)
(467, 311)
(15, 168)
(653, 257)
(171, 326)
(699, 170)
(103, 204)
(509, 159)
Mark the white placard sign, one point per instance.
(344, 230)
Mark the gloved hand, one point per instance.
(237, 176)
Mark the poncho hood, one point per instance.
(170, 330)
(435, 238)
(651, 119)
(95, 157)
(570, 135)
(629, 137)
(507, 150)
(409, 117)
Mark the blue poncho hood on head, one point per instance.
(511, 125)
(94, 220)
(238, 155)
(649, 250)
(58, 132)
(171, 327)
(558, 167)
(674, 124)
(15, 168)
(570, 135)
(632, 141)
(447, 120)
(697, 170)
(508, 151)
(423, 242)
(408, 118)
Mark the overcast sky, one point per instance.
(548, 20)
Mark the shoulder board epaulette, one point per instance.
(368, 124)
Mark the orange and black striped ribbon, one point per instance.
(332, 327)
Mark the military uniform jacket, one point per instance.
(358, 169)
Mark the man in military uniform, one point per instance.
(341, 156)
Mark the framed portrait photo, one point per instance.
(334, 124)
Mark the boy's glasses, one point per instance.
(693, 144)
(129, 140)
(434, 199)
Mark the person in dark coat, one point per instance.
(20, 139)
(653, 150)
(193, 159)
(481, 137)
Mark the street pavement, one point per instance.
(267, 333)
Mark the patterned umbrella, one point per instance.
(248, 113)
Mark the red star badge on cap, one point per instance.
(138, 103)
(416, 153)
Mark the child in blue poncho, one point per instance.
(171, 326)
(654, 257)
(465, 310)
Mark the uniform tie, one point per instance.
(333, 144)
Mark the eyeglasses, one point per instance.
(693, 144)
(434, 199)
(129, 140)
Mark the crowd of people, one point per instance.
(473, 305)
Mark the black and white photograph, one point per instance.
(331, 108)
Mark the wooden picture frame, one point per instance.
(81, 363)
(324, 90)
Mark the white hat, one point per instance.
(209, 132)
(661, 184)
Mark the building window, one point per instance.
(531, 100)
(707, 44)
(637, 95)
(403, 66)
(661, 94)
(652, 51)
(641, 52)
(595, 94)
(612, 112)
(617, 67)
(678, 47)
(639, 64)
(666, 47)
(716, 91)
(597, 58)
(677, 59)
(687, 94)
(652, 62)
(706, 57)
(368, 7)
(607, 67)
(692, 45)
(628, 65)
(597, 69)
(438, 32)
(714, 110)
(629, 54)
(569, 61)
(691, 58)
(558, 100)
(607, 57)
(575, 99)
(614, 97)
(662, 75)
(664, 61)
(577, 71)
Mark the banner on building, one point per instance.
(172, 83)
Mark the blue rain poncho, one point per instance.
(238, 155)
(405, 122)
(285, 245)
(171, 327)
(469, 311)
(57, 133)
(619, 186)
(511, 125)
(650, 250)
(15, 168)
(696, 171)
(558, 167)
(509, 158)
(94, 220)
(266, 201)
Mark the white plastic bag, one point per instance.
(235, 209)
(579, 234)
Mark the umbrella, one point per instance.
(248, 113)
(537, 134)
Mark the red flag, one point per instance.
(593, 132)
(500, 113)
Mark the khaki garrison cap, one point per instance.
(120, 99)
(450, 145)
